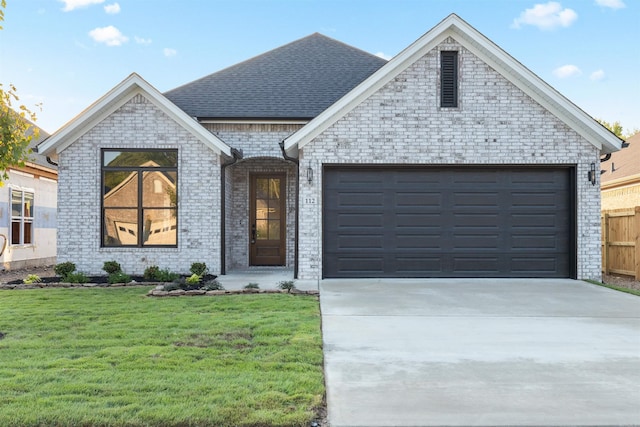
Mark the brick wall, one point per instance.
(139, 124)
(495, 123)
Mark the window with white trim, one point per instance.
(21, 217)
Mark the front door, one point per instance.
(267, 219)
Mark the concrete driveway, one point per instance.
(480, 352)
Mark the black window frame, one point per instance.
(449, 79)
(140, 206)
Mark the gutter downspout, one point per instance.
(237, 155)
(51, 162)
(297, 232)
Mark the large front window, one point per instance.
(139, 198)
(21, 217)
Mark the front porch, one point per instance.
(260, 215)
(264, 277)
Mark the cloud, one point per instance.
(597, 75)
(613, 4)
(383, 55)
(546, 16)
(168, 52)
(70, 5)
(567, 71)
(110, 36)
(112, 9)
(141, 40)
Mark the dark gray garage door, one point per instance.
(448, 222)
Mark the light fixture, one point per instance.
(310, 175)
(591, 176)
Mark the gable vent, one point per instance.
(448, 79)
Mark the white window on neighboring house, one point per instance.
(21, 217)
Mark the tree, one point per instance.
(617, 129)
(16, 125)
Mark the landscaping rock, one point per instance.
(176, 293)
(195, 292)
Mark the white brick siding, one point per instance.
(495, 123)
(139, 124)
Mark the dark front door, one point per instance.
(267, 219)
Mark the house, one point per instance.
(28, 206)
(450, 160)
(620, 179)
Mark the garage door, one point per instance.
(448, 222)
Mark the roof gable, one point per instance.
(455, 27)
(296, 81)
(114, 99)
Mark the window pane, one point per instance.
(28, 205)
(16, 203)
(160, 227)
(28, 227)
(159, 189)
(120, 227)
(141, 158)
(15, 232)
(274, 230)
(120, 189)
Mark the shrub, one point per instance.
(75, 277)
(154, 273)
(112, 267)
(194, 279)
(170, 287)
(212, 285)
(199, 268)
(32, 278)
(119, 277)
(252, 286)
(286, 285)
(64, 269)
(151, 272)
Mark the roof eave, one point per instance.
(114, 99)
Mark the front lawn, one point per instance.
(113, 357)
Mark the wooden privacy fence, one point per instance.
(621, 242)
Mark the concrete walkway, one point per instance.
(480, 353)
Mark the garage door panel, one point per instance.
(418, 199)
(447, 222)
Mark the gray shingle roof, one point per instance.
(296, 81)
(34, 157)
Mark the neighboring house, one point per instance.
(28, 202)
(450, 160)
(620, 180)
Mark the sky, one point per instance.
(65, 54)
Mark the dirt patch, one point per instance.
(7, 276)
(627, 282)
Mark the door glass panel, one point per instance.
(262, 188)
(274, 209)
(274, 230)
(262, 209)
(262, 230)
(274, 188)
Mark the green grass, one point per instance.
(113, 357)
(617, 288)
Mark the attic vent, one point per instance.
(448, 79)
